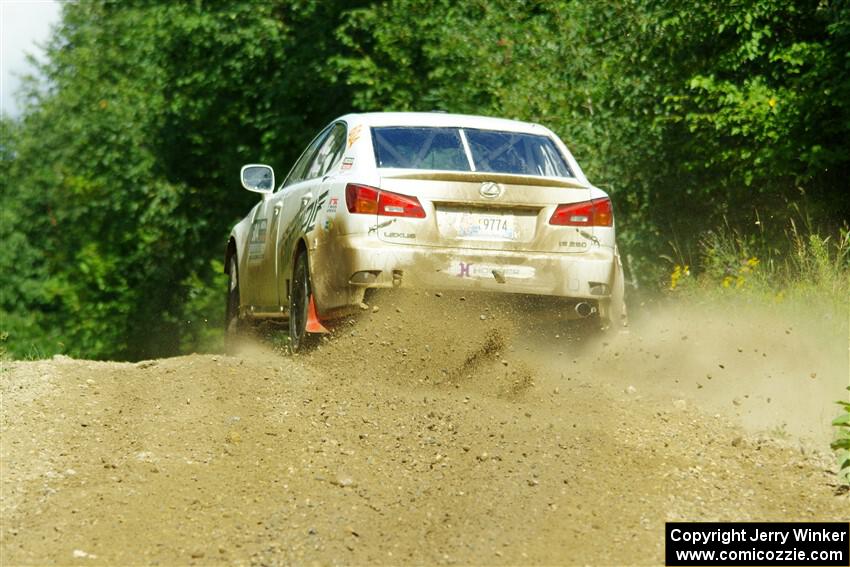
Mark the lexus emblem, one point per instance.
(490, 190)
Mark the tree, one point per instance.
(125, 166)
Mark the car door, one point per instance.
(305, 196)
(269, 218)
(251, 285)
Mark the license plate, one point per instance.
(480, 226)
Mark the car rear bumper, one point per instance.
(344, 266)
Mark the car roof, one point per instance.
(443, 119)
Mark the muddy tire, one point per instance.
(234, 326)
(299, 302)
(617, 318)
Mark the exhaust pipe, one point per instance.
(585, 309)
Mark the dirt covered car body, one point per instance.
(430, 200)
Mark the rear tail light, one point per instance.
(361, 199)
(588, 213)
(369, 201)
(395, 205)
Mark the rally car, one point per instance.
(429, 200)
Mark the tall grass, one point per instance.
(801, 264)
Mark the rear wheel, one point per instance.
(617, 315)
(299, 305)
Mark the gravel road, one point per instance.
(433, 430)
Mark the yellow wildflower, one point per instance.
(674, 277)
(678, 273)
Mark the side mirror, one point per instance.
(258, 178)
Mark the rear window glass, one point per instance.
(511, 152)
(489, 150)
(420, 148)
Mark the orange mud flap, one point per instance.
(313, 324)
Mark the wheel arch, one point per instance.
(229, 251)
(300, 248)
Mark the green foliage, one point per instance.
(841, 445)
(203, 312)
(119, 185)
(120, 181)
(4, 354)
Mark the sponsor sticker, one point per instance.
(333, 203)
(484, 271)
(354, 135)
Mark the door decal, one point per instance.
(310, 211)
(257, 240)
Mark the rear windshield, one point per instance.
(489, 150)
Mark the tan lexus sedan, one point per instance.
(429, 200)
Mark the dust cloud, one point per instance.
(765, 368)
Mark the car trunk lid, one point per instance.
(478, 210)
